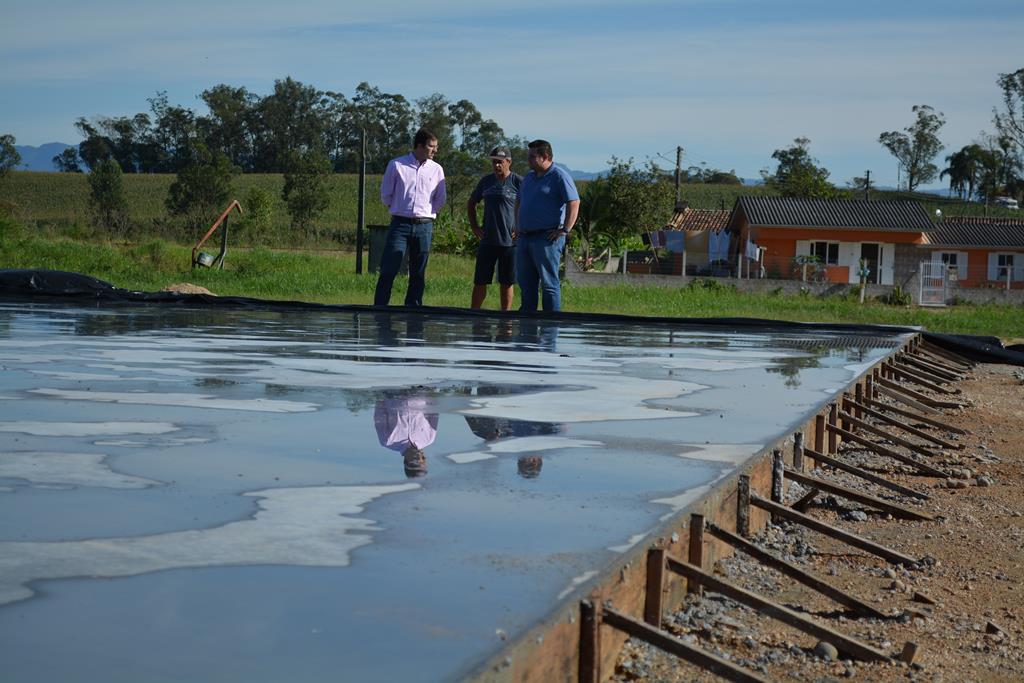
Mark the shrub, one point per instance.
(106, 197)
(305, 190)
(897, 297)
(202, 190)
(257, 216)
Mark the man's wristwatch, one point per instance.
(564, 229)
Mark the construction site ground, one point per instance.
(963, 607)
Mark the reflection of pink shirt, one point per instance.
(401, 422)
(412, 189)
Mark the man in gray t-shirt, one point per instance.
(498, 192)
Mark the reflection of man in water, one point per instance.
(492, 429)
(403, 425)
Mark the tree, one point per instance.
(9, 156)
(964, 169)
(202, 189)
(170, 144)
(106, 197)
(999, 166)
(293, 117)
(67, 161)
(305, 188)
(387, 119)
(917, 145)
(798, 173)
(255, 222)
(229, 126)
(1010, 121)
(623, 204)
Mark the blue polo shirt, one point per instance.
(542, 200)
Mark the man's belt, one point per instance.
(414, 221)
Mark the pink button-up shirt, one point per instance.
(402, 422)
(412, 189)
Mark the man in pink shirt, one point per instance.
(413, 190)
(404, 425)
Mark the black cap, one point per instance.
(501, 153)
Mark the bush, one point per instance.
(202, 190)
(257, 215)
(305, 190)
(106, 197)
(897, 297)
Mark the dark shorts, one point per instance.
(487, 255)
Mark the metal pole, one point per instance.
(679, 164)
(361, 226)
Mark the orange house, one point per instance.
(829, 239)
(979, 252)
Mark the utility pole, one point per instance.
(361, 222)
(679, 171)
(867, 184)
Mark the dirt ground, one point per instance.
(963, 606)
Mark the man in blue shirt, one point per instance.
(498, 191)
(548, 206)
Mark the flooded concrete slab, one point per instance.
(200, 494)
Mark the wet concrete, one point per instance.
(225, 495)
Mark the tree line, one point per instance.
(261, 134)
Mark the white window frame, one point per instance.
(1011, 262)
(828, 248)
(951, 259)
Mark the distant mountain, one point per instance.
(40, 158)
(584, 175)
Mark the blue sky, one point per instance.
(729, 80)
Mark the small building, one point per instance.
(979, 252)
(695, 242)
(825, 240)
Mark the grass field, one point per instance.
(330, 278)
(57, 204)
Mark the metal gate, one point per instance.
(934, 284)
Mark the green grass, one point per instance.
(331, 278)
(57, 205)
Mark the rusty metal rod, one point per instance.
(655, 586)
(590, 642)
(924, 419)
(671, 644)
(795, 573)
(878, 431)
(918, 396)
(908, 376)
(920, 433)
(895, 455)
(952, 356)
(850, 494)
(931, 378)
(844, 643)
(932, 368)
(869, 476)
(821, 527)
(805, 500)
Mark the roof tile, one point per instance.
(836, 214)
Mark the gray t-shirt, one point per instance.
(499, 197)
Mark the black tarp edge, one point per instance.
(63, 285)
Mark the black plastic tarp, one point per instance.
(56, 284)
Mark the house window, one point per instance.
(827, 252)
(949, 259)
(1004, 265)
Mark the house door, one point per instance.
(872, 256)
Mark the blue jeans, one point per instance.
(537, 261)
(404, 234)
